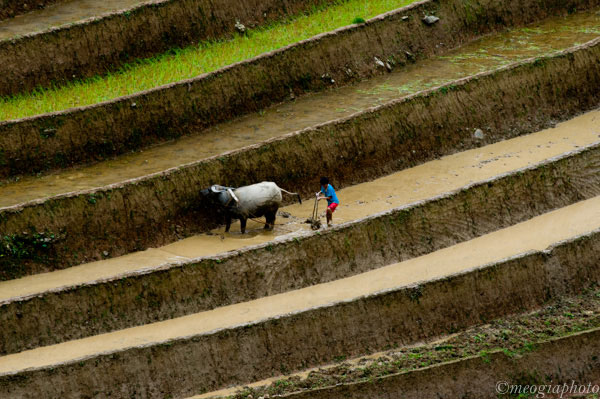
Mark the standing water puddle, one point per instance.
(482, 55)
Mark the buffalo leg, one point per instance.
(227, 222)
(243, 224)
(270, 217)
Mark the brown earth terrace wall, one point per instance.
(104, 43)
(11, 8)
(184, 288)
(81, 135)
(146, 212)
(566, 360)
(364, 325)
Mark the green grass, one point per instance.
(179, 64)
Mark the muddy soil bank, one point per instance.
(188, 287)
(290, 342)
(568, 360)
(515, 336)
(106, 42)
(12, 8)
(92, 133)
(159, 208)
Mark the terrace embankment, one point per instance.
(515, 337)
(160, 208)
(398, 217)
(348, 54)
(12, 8)
(482, 55)
(421, 298)
(81, 38)
(559, 363)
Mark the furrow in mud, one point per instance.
(95, 132)
(418, 299)
(41, 310)
(120, 218)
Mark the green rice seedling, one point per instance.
(184, 63)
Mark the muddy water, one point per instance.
(486, 54)
(408, 186)
(550, 228)
(63, 13)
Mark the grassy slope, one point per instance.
(179, 64)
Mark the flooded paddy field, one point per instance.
(483, 55)
(402, 216)
(351, 316)
(465, 246)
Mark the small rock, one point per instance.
(284, 214)
(105, 253)
(430, 19)
(405, 18)
(478, 134)
(240, 27)
(388, 66)
(133, 105)
(327, 78)
(379, 63)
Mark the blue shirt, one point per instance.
(330, 192)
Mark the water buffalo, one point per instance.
(261, 199)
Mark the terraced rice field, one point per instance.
(465, 153)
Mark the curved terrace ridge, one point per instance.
(397, 217)
(32, 190)
(82, 38)
(65, 138)
(111, 218)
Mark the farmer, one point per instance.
(327, 192)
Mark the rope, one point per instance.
(274, 224)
